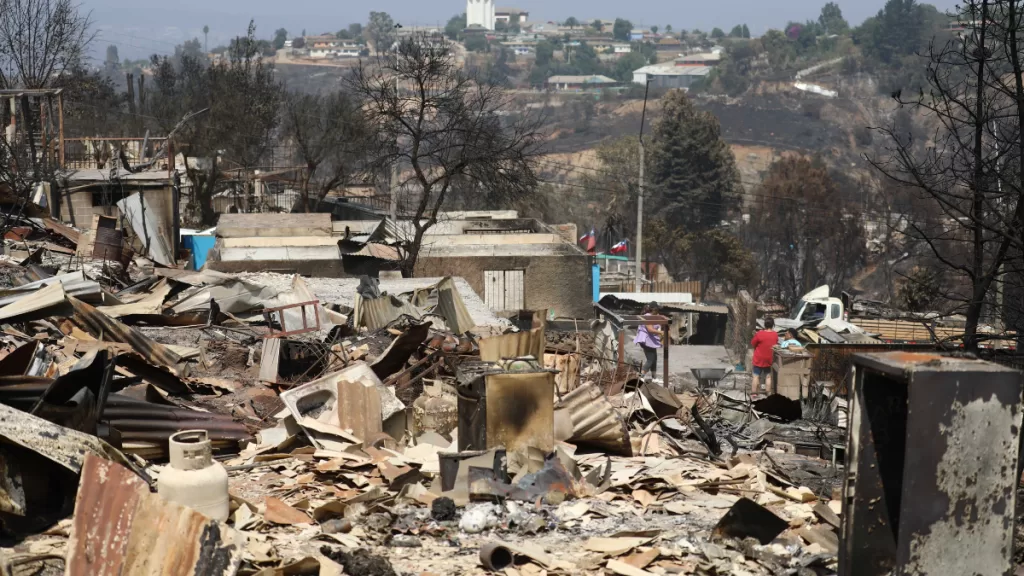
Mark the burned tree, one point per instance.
(971, 169)
(242, 99)
(329, 135)
(39, 40)
(442, 128)
(802, 231)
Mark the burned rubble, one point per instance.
(397, 428)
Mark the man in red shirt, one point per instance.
(764, 341)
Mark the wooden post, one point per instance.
(665, 342)
(622, 352)
(60, 122)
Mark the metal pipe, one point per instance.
(151, 425)
(161, 413)
(495, 556)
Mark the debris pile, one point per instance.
(379, 432)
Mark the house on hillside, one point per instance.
(669, 75)
(700, 59)
(580, 83)
(507, 14)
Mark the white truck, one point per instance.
(817, 310)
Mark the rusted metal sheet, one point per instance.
(595, 422)
(526, 343)
(106, 328)
(61, 229)
(120, 528)
(932, 468)
(568, 366)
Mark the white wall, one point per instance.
(480, 13)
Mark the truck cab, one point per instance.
(816, 309)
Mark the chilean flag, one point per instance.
(620, 247)
(591, 239)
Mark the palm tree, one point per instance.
(206, 38)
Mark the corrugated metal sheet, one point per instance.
(74, 283)
(379, 251)
(595, 421)
(379, 312)
(145, 220)
(58, 444)
(120, 528)
(40, 303)
(526, 343)
(99, 324)
(451, 306)
(568, 366)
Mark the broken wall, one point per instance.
(561, 283)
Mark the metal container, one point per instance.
(193, 478)
(932, 467)
(510, 410)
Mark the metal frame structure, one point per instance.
(268, 315)
(621, 321)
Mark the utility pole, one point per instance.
(640, 198)
(394, 191)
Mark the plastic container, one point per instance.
(193, 478)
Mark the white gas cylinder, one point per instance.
(193, 478)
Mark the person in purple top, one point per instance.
(649, 339)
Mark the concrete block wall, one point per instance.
(561, 283)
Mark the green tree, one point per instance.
(668, 27)
(355, 29)
(746, 31)
(456, 24)
(280, 37)
(901, 28)
(625, 66)
(206, 38)
(654, 29)
(693, 171)
(736, 32)
(244, 102)
(572, 22)
(622, 29)
(597, 25)
(831, 19)
(545, 52)
(381, 30)
(717, 33)
(476, 43)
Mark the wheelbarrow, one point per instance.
(709, 377)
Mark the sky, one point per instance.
(159, 26)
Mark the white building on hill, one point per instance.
(480, 13)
